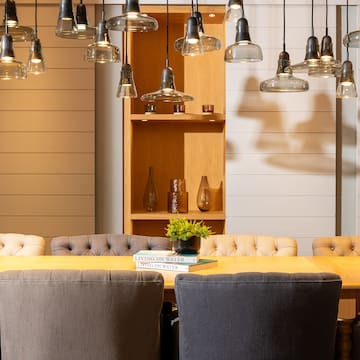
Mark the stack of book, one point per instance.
(170, 260)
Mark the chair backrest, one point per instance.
(337, 246)
(21, 245)
(248, 245)
(107, 244)
(257, 316)
(74, 314)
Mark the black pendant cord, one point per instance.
(6, 18)
(284, 46)
(126, 46)
(36, 20)
(167, 34)
(326, 19)
(242, 8)
(312, 17)
(347, 29)
(103, 10)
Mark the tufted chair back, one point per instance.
(248, 245)
(21, 245)
(336, 246)
(107, 244)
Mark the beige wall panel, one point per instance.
(47, 184)
(46, 205)
(47, 100)
(38, 163)
(44, 120)
(47, 142)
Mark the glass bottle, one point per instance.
(150, 196)
(203, 195)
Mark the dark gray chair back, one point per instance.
(107, 244)
(257, 316)
(74, 314)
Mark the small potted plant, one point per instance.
(186, 234)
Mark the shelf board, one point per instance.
(191, 215)
(208, 117)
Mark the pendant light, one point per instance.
(132, 19)
(346, 88)
(17, 32)
(284, 80)
(352, 39)
(167, 92)
(102, 51)
(243, 50)
(312, 54)
(36, 64)
(192, 45)
(208, 43)
(9, 67)
(233, 11)
(126, 88)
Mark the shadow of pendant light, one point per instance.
(284, 80)
(346, 88)
(36, 63)
(167, 92)
(243, 50)
(132, 19)
(17, 32)
(102, 51)
(126, 88)
(233, 11)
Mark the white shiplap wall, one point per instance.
(280, 156)
(47, 137)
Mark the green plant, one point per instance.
(183, 229)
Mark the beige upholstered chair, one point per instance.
(22, 245)
(336, 246)
(248, 245)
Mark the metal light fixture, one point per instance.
(36, 63)
(346, 88)
(126, 87)
(132, 19)
(233, 10)
(284, 80)
(167, 92)
(192, 45)
(352, 39)
(243, 50)
(102, 51)
(17, 32)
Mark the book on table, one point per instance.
(165, 256)
(177, 266)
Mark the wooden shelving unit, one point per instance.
(185, 145)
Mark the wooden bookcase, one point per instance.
(176, 146)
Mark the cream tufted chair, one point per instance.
(336, 246)
(248, 245)
(21, 245)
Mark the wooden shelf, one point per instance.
(203, 118)
(191, 215)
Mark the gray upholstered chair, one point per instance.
(336, 246)
(107, 244)
(257, 316)
(83, 315)
(247, 245)
(21, 245)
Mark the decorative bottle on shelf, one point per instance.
(203, 195)
(150, 196)
(177, 197)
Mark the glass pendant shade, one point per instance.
(284, 80)
(243, 50)
(132, 19)
(66, 26)
(36, 63)
(167, 92)
(346, 88)
(233, 11)
(126, 88)
(101, 51)
(9, 67)
(352, 39)
(192, 45)
(18, 33)
(312, 56)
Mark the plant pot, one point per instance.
(191, 246)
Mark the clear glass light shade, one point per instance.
(126, 88)
(346, 88)
(208, 43)
(9, 67)
(66, 26)
(192, 45)
(325, 69)
(18, 33)
(36, 63)
(352, 39)
(284, 80)
(167, 92)
(243, 51)
(233, 10)
(312, 56)
(132, 19)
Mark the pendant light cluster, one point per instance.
(10, 68)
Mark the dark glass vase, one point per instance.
(150, 195)
(203, 195)
(190, 246)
